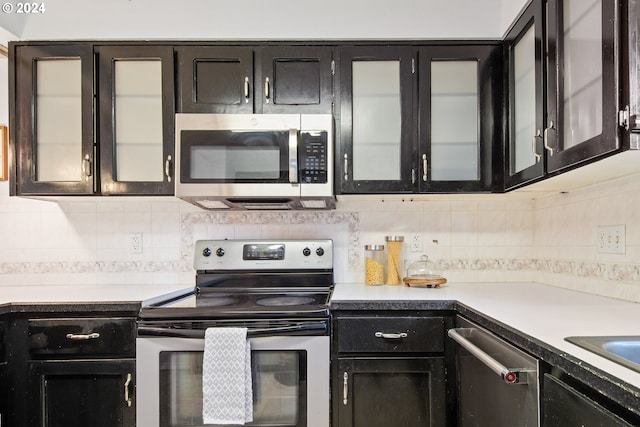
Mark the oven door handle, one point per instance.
(251, 333)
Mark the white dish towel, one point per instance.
(227, 396)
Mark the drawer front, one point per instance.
(390, 334)
(80, 337)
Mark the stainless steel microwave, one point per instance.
(255, 161)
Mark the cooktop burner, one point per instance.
(284, 300)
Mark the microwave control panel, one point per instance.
(312, 153)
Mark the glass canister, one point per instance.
(374, 264)
(394, 259)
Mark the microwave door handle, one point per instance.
(293, 156)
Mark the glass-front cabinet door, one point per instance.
(582, 84)
(377, 120)
(136, 119)
(53, 119)
(524, 151)
(459, 121)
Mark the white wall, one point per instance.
(251, 19)
(510, 9)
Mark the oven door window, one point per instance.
(222, 156)
(279, 388)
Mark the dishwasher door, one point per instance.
(497, 383)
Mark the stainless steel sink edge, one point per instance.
(598, 345)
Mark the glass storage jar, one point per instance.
(374, 264)
(394, 259)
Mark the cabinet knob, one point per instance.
(267, 90)
(345, 389)
(546, 138)
(534, 146)
(246, 90)
(391, 336)
(86, 167)
(82, 337)
(127, 397)
(167, 168)
(424, 167)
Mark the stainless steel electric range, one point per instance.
(279, 290)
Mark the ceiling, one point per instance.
(262, 20)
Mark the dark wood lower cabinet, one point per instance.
(383, 392)
(4, 394)
(564, 405)
(82, 393)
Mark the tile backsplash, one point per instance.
(485, 238)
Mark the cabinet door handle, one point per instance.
(127, 398)
(392, 336)
(424, 167)
(345, 389)
(546, 138)
(533, 146)
(86, 167)
(246, 90)
(167, 168)
(346, 167)
(83, 337)
(267, 90)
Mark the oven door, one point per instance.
(290, 379)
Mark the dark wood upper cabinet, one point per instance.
(296, 79)
(524, 61)
(269, 79)
(136, 115)
(460, 104)
(582, 81)
(53, 119)
(377, 131)
(215, 79)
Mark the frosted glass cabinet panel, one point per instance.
(376, 120)
(582, 64)
(377, 116)
(136, 119)
(58, 107)
(524, 107)
(454, 121)
(52, 120)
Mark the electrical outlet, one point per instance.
(416, 242)
(611, 239)
(135, 243)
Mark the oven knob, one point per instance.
(319, 251)
(306, 252)
(206, 252)
(219, 252)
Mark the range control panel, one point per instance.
(263, 255)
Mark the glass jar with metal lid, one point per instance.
(394, 259)
(374, 264)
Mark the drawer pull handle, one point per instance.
(80, 337)
(345, 389)
(127, 398)
(388, 336)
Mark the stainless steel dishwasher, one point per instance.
(497, 383)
